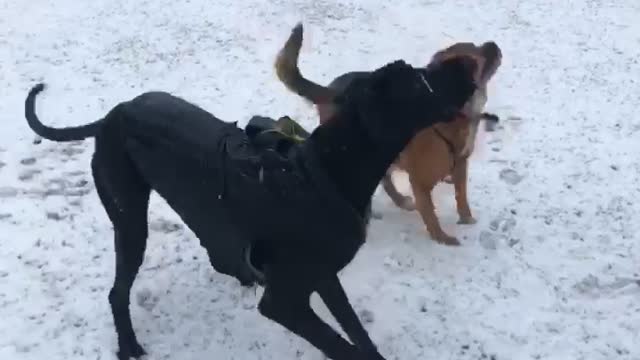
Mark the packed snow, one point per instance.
(550, 271)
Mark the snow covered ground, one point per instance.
(549, 272)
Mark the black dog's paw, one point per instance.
(135, 351)
(138, 351)
(372, 354)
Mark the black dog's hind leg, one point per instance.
(289, 306)
(125, 198)
(334, 296)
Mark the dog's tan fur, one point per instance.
(434, 153)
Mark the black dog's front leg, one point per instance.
(334, 296)
(290, 308)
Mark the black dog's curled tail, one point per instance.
(64, 134)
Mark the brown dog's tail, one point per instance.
(288, 72)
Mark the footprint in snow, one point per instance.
(29, 174)
(75, 173)
(56, 216)
(510, 176)
(366, 316)
(28, 161)
(72, 150)
(165, 226)
(61, 187)
(591, 285)
(504, 224)
(7, 192)
(146, 300)
(488, 240)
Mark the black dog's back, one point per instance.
(160, 115)
(174, 145)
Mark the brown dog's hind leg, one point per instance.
(125, 199)
(460, 180)
(401, 201)
(425, 207)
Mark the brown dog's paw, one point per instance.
(407, 203)
(448, 179)
(467, 220)
(446, 240)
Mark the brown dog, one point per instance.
(435, 152)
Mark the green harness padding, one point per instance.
(290, 128)
(278, 135)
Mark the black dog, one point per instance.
(291, 224)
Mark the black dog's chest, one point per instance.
(301, 222)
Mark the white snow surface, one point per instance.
(550, 271)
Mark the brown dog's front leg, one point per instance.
(460, 178)
(333, 295)
(401, 201)
(290, 308)
(427, 211)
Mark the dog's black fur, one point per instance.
(302, 222)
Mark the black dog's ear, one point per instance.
(457, 76)
(382, 84)
(384, 77)
(358, 89)
(461, 64)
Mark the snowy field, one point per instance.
(550, 271)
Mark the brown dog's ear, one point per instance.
(461, 48)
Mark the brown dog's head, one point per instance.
(493, 59)
(488, 56)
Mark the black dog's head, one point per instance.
(397, 100)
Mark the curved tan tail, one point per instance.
(288, 72)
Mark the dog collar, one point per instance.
(424, 80)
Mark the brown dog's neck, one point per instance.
(351, 159)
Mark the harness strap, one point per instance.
(450, 146)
